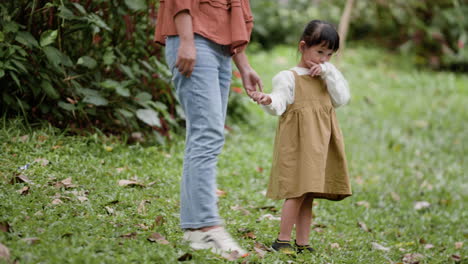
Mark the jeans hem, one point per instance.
(200, 225)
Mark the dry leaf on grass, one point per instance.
(428, 246)
(456, 258)
(160, 239)
(363, 226)
(269, 217)
(241, 209)
(220, 193)
(109, 210)
(318, 230)
(158, 221)
(31, 240)
(185, 257)
(379, 247)
(421, 205)
(335, 245)
(366, 204)
(24, 190)
(130, 183)
(4, 252)
(395, 196)
(57, 201)
(19, 178)
(260, 249)
(131, 235)
(42, 161)
(66, 183)
(458, 245)
(142, 207)
(4, 227)
(412, 258)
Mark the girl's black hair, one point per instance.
(318, 32)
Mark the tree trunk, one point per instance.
(344, 23)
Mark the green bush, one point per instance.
(431, 33)
(85, 63)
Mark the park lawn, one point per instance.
(405, 134)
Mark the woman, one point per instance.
(201, 38)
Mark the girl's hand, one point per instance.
(315, 68)
(261, 98)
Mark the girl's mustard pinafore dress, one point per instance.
(309, 154)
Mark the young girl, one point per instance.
(309, 159)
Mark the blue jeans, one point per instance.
(203, 97)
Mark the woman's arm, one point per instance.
(250, 79)
(187, 53)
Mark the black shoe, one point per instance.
(283, 247)
(301, 249)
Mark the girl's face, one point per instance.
(317, 54)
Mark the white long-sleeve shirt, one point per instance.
(282, 94)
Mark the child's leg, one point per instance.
(304, 219)
(289, 215)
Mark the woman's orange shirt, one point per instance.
(226, 22)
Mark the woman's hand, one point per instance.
(250, 81)
(187, 52)
(186, 56)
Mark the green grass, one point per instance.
(405, 135)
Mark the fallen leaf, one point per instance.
(24, 190)
(185, 257)
(379, 247)
(402, 249)
(119, 170)
(143, 226)
(359, 180)
(19, 178)
(56, 147)
(130, 183)
(395, 196)
(156, 237)
(270, 208)
(458, 245)
(159, 221)
(428, 246)
(421, 123)
(24, 138)
(363, 226)
(66, 183)
(335, 245)
(4, 227)
(247, 233)
(240, 208)
(318, 230)
(42, 161)
(31, 240)
(57, 201)
(412, 258)
(220, 193)
(260, 169)
(421, 205)
(110, 210)
(4, 252)
(142, 208)
(269, 217)
(131, 235)
(363, 203)
(260, 249)
(82, 198)
(315, 224)
(456, 257)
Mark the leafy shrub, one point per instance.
(85, 63)
(431, 33)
